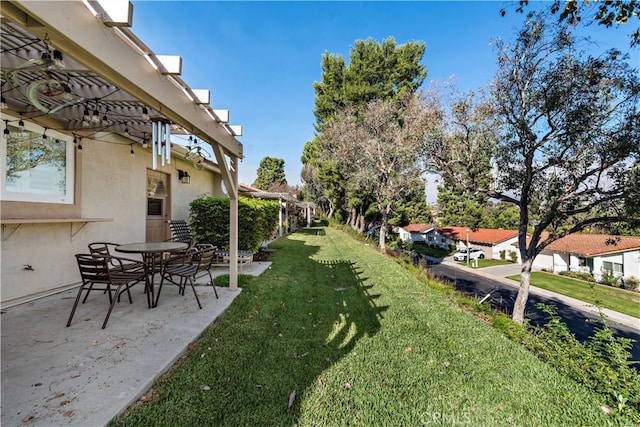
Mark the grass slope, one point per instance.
(361, 342)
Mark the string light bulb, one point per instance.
(95, 117)
(3, 103)
(133, 153)
(44, 134)
(58, 61)
(145, 113)
(21, 122)
(6, 129)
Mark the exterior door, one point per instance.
(158, 208)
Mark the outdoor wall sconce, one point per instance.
(184, 177)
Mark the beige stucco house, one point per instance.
(92, 121)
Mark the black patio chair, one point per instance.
(97, 270)
(185, 269)
(106, 249)
(180, 232)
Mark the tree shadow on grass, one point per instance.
(315, 231)
(252, 367)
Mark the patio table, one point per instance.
(150, 252)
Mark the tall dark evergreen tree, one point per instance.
(376, 71)
(270, 173)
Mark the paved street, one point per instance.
(580, 317)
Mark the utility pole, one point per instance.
(468, 251)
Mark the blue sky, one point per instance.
(260, 59)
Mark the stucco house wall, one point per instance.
(506, 246)
(561, 261)
(438, 240)
(38, 258)
(631, 261)
(404, 235)
(544, 261)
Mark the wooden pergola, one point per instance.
(114, 68)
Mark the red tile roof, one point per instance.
(490, 236)
(418, 228)
(594, 244)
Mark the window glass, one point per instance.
(154, 206)
(37, 169)
(613, 267)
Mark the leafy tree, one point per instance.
(500, 215)
(458, 208)
(375, 71)
(379, 149)
(270, 174)
(607, 13)
(567, 149)
(462, 148)
(412, 208)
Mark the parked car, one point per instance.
(474, 253)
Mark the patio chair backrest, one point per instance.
(93, 268)
(205, 258)
(180, 231)
(106, 249)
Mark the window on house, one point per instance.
(156, 194)
(582, 262)
(35, 168)
(613, 267)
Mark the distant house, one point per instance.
(492, 241)
(428, 234)
(413, 233)
(593, 253)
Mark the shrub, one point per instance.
(503, 254)
(602, 362)
(513, 255)
(608, 279)
(257, 220)
(578, 275)
(632, 283)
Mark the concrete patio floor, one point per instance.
(84, 375)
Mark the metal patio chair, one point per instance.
(106, 249)
(97, 270)
(180, 232)
(185, 269)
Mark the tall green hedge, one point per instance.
(257, 221)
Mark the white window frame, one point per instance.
(68, 198)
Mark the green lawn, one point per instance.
(336, 334)
(434, 252)
(604, 296)
(487, 262)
